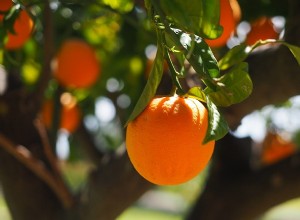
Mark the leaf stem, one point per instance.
(174, 73)
(206, 78)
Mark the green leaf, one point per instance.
(217, 125)
(120, 5)
(234, 56)
(10, 18)
(240, 52)
(197, 93)
(200, 17)
(294, 50)
(232, 88)
(151, 85)
(196, 51)
(200, 55)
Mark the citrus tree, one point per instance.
(178, 75)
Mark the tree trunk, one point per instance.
(236, 191)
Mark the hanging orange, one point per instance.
(23, 27)
(165, 142)
(5, 5)
(70, 114)
(261, 29)
(230, 14)
(76, 64)
(275, 148)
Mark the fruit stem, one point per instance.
(173, 73)
(173, 90)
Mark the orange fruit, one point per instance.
(76, 64)
(230, 14)
(23, 27)
(261, 29)
(69, 116)
(164, 142)
(5, 5)
(275, 148)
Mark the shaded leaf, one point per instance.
(217, 125)
(232, 88)
(11, 17)
(294, 50)
(151, 85)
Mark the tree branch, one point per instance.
(38, 95)
(115, 180)
(23, 155)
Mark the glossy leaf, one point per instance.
(11, 17)
(200, 55)
(217, 125)
(234, 56)
(194, 16)
(197, 93)
(151, 85)
(232, 88)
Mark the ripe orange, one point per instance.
(261, 29)
(164, 142)
(5, 5)
(70, 113)
(76, 64)
(276, 148)
(230, 14)
(23, 27)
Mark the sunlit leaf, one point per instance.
(240, 52)
(120, 5)
(194, 16)
(197, 52)
(217, 125)
(197, 93)
(232, 88)
(235, 55)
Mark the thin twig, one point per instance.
(52, 159)
(38, 94)
(35, 165)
